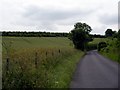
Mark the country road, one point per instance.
(95, 71)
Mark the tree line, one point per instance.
(33, 34)
(41, 34)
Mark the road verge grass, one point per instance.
(40, 68)
(64, 71)
(111, 51)
(111, 55)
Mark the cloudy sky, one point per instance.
(58, 15)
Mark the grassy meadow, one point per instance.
(37, 42)
(38, 62)
(44, 62)
(97, 40)
(93, 45)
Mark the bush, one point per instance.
(101, 45)
(80, 35)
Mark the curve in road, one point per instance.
(95, 71)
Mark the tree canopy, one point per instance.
(118, 36)
(80, 35)
(33, 34)
(110, 33)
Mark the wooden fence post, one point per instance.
(7, 64)
(46, 53)
(59, 51)
(36, 62)
(52, 53)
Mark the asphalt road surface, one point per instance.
(95, 71)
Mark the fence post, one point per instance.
(46, 53)
(59, 51)
(36, 63)
(7, 64)
(52, 53)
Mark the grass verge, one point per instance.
(40, 68)
(111, 51)
(111, 55)
(64, 71)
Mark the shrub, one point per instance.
(101, 45)
(80, 35)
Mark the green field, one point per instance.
(38, 42)
(97, 40)
(37, 62)
(19, 43)
(44, 62)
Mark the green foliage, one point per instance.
(34, 34)
(115, 34)
(80, 35)
(36, 42)
(97, 36)
(35, 66)
(23, 72)
(78, 38)
(110, 33)
(118, 35)
(91, 47)
(98, 40)
(118, 45)
(101, 45)
(83, 26)
(111, 51)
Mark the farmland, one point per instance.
(97, 40)
(37, 42)
(44, 62)
(37, 62)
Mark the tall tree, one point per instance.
(109, 33)
(80, 35)
(118, 36)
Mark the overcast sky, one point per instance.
(58, 15)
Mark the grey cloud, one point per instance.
(51, 14)
(46, 18)
(99, 30)
(109, 19)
